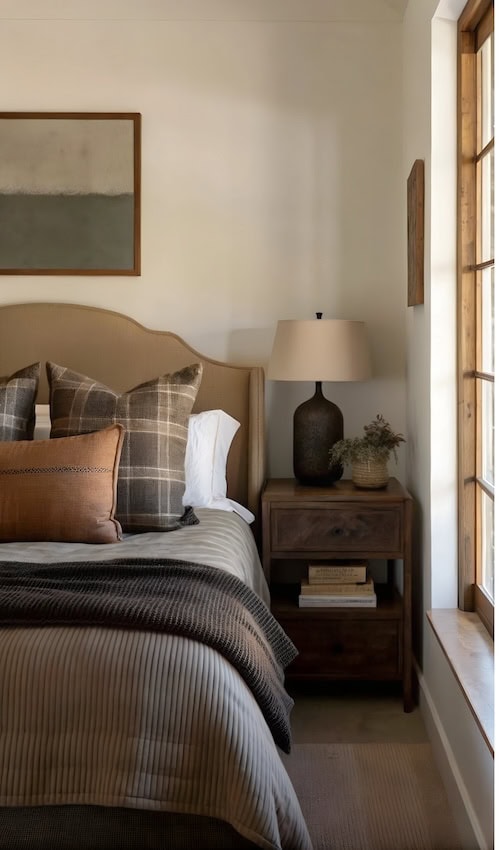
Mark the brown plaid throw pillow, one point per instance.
(17, 403)
(155, 415)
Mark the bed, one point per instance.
(141, 683)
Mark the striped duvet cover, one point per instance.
(116, 717)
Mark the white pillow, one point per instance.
(210, 435)
(42, 422)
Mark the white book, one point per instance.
(368, 601)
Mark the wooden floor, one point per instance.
(361, 731)
(353, 713)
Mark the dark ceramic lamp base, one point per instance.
(317, 425)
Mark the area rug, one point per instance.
(372, 797)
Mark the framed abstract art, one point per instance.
(70, 193)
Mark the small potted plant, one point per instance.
(369, 454)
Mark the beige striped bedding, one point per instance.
(221, 539)
(113, 717)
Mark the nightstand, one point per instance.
(342, 522)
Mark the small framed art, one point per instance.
(415, 223)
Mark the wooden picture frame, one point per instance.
(70, 193)
(415, 221)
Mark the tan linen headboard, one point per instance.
(121, 353)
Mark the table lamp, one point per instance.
(318, 350)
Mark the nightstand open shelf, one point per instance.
(334, 523)
(285, 602)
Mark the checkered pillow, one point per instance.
(155, 415)
(17, 403)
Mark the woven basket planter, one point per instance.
(370, 474)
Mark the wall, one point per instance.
(271, 171)
(429, 39)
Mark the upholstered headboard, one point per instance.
(121, 353)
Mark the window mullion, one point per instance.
(467, 318)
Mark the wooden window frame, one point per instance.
(474, 26)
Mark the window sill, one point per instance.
(469, 650)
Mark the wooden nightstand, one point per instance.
(326, 523)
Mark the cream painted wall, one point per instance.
(429, 40)
(271, 171)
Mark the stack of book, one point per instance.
(346, 585)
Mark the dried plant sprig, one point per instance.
(379, 441)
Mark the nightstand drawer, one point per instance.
(339, 528)
(346, 648)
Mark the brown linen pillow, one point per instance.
(151, 478)
(17, 403)
(62, 490)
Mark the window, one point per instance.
(476, 306)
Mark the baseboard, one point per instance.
(468, 826)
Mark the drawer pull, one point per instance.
(337, 532)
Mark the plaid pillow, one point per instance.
(17, 403)
(151, 479)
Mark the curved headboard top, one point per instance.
(121, 353)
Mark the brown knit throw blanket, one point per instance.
(193, 600)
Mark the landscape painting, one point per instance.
(70, 193)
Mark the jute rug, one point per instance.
(372, 797)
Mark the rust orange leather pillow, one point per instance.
(61, 489)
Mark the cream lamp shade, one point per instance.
(326, 350)
(318, 350)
